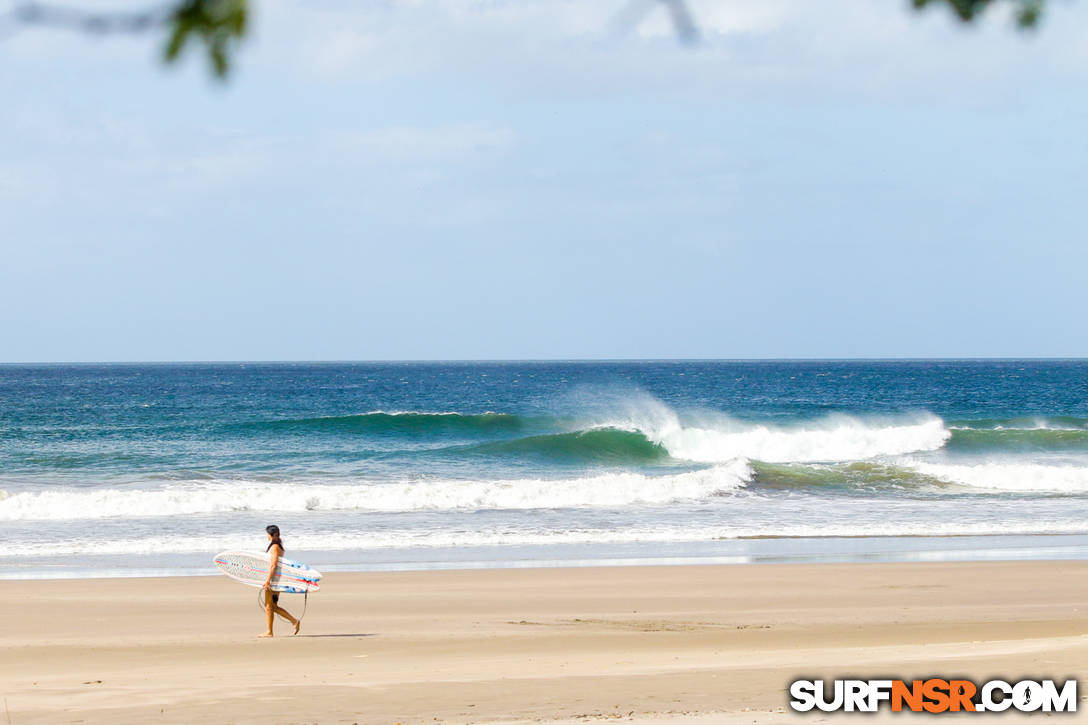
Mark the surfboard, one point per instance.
(291, 577)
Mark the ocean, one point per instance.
(151, 469)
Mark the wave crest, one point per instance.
(1003, 440)
(407, 423)
(836, 438)
(1024, 423)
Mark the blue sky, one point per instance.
(439, 179)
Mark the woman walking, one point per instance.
(272, 599)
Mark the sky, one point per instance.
(550, 179)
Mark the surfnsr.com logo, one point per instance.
(934, 695)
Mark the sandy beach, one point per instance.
(699, 644)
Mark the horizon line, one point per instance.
(349, 361)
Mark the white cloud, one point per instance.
(104, 163)
(877, 49)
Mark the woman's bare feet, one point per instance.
(298, 623)
(266, 634)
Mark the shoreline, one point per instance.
(727, 552)
(699, 643)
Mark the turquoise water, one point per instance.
(153, 468)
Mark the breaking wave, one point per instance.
(644, 430)
(835, 438)
(597, 445)
(607, 490)
(1010, 476)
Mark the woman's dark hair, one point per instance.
(274, 532)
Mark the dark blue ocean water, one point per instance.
(409, 464)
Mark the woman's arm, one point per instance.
(272, 563)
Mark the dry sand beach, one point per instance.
(699, 644)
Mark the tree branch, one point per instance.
(35, 13)
(1027, 12)
(218, 24)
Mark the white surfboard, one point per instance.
(291, 577)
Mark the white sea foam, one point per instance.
(303, 541)
(1009, 476)
(717, 438)
(613, 489)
